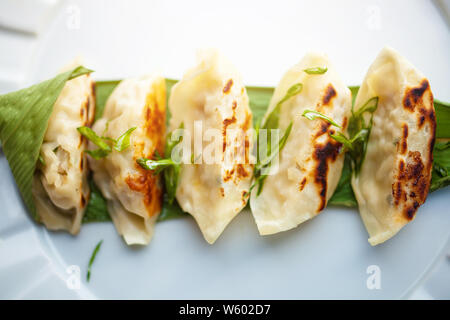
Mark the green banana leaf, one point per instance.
(259, 102)
(24, 116)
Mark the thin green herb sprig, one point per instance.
(441, 166)
(358, 130)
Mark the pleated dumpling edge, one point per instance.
(133, 194)
(212, 96)
(310, 164)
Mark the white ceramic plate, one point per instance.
(327, 257)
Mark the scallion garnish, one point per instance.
(123, 141)
(316, 70)
(312, 115)
(358, 130)
(441, 166)
(169, 168)
(272, 121)
(91, 260)
(41, 160)
(106, 144)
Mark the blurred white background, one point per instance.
(263, 38)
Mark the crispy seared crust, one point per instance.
(311, 162)
(413, 172)
(134, 195)
(395, 176)
(145, 182)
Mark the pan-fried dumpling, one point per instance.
(134, 195)
(310, 164)
(60, 188)
(396, 172)
(213, 94)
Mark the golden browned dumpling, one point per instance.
(213, 94)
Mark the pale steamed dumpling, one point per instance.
(60, 188)
(213, 94)
(396, 173)
(134, 195)
(310, 164)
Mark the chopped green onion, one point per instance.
(91, 135)
(271, 121)
(123, 141)
(265, 163)
(312, 115)
(41, 160)
(340, 137)
(157, 165)
(91, 260)
(358, 130)
(316, 70)
(104, 143)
